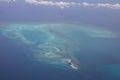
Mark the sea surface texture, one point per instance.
(41, 51)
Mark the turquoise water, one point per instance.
(94, 50)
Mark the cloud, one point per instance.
(7, 1)
(63, 4)
(85, 4)
(60, 4)
(102, 5)
(107, 5)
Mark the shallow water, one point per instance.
(32, 51)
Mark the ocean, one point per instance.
(40, 52)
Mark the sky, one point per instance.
(96, 12)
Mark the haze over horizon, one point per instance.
(103, 13)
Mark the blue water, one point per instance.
(98, 57)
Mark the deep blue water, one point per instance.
(93, 56)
